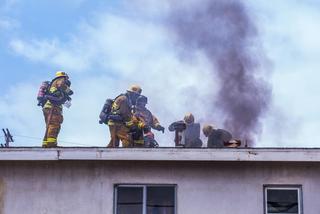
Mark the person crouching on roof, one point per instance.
(121, 114)
(187, 132)
(57, 94)
(150, 121)
(219, 137)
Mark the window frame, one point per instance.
(144, 200)
(283, 187)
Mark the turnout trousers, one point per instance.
(53, 118)
(119, 131)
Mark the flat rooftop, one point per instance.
(160, 154)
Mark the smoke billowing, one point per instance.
(224, 32)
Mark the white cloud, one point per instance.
(50, 52)
(7, 23)
(289, 32)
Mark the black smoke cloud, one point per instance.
(225, 33)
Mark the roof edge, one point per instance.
(161, 154)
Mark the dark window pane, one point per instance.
(129, 200)
(160, 200)
(282, 201)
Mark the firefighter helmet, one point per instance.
(135, 89)
(61, 74)
(189, 118)
(207, 129)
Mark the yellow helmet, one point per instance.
(189, 118)
(61, 74)
(135, 89)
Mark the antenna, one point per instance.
(8, 138)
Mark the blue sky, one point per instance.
(107, 45)
(33, 20)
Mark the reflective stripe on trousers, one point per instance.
(53, 118)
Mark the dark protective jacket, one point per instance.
(217, 138)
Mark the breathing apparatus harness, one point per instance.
(57, 97)
(107, 114)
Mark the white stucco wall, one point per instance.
(209, 187)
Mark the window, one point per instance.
(283, 199)
(145, 199)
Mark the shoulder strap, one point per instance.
(50, 84)
(118, 97)
(129, 102)
(128, 99)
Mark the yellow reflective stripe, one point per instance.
(139, 141)
(130, 123)
(51, 140)
(112, 123)
(47, 105)
(53, 89)
(140, 125)
(50, 105)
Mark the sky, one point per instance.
(105, 46)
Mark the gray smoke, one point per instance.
(224, 32)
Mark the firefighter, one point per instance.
(219, 137)
(121, 115)
(57, 94)
(151, 122)
(187, 132)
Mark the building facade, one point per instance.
(159, 181)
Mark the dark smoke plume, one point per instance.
(224, 32)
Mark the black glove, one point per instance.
(146, 129)
(70, 93)
(160, 128)
(68, 83)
